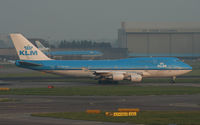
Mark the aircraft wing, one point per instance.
(118, 75)
(107, 72)
(111, 72)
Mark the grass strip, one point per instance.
(143, 117)
(7, 100)
(111, 90)
(27, 74)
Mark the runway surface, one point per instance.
(25, 84)
(19, 111)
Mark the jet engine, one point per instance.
(117, 76)
(135, 77)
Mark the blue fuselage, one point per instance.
(146, 66)
(146, 63)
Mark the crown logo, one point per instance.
(28, 47)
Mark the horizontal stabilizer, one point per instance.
(28, 64)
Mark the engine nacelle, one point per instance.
(117, 76)
(135, 78)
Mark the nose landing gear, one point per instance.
(173, 79)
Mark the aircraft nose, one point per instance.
(189, 67)
(186, 66)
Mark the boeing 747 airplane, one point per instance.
(133, 69)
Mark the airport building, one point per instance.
(160, 39)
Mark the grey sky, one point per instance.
(88, 19)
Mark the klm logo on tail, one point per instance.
(28, 51)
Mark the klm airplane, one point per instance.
(133, 69)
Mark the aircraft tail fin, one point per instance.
(25, 49)
(41, 47)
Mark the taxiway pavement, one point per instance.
(19, 111)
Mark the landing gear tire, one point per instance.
(115, 82)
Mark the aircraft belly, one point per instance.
(144, 73)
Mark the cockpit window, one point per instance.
(178, 60)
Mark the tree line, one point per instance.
(83, 44)
(77, 44)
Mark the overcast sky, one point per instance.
(88, 19)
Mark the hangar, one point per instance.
(160, 39)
